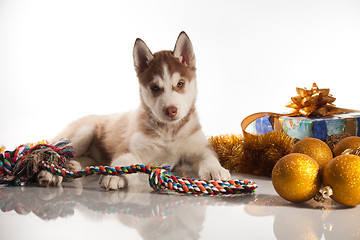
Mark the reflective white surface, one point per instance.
(81, 210)
(251, 55)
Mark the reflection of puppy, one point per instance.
(164, 129)
(169, 218)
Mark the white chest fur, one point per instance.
(163, 150)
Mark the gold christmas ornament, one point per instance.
(342, 175)
(314, 148)
(347, 143)
(296, 177)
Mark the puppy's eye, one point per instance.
(181, 84)
(155, 88)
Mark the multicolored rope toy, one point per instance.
(22, 165)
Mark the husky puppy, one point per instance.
(164, 129)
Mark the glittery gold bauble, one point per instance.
(342, 174)
(347, 143)
(296, 177)
(314, 148)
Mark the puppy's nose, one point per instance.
(170, 111)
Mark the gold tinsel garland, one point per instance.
(251, 154)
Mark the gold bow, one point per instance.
(315, 102)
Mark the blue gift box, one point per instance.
(309, 127)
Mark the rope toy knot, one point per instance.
(158, 178)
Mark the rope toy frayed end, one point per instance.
(20, 166)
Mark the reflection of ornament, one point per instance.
(297, 225)
(347, 143)
(342, 226)
(342, 174)
(296, 177)
(314, 148)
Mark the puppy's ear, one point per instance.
(142, 56)
(184, 50)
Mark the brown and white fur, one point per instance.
(164, 129)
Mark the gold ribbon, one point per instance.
(313, 102)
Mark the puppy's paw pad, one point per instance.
(112, 182)
(46, 178)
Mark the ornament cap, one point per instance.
(326, 192)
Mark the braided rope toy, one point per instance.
(22, 165)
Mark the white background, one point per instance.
(60, 60)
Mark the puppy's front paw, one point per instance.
(213, 172)
(46, 178)
(73, 165)
(112, 182)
